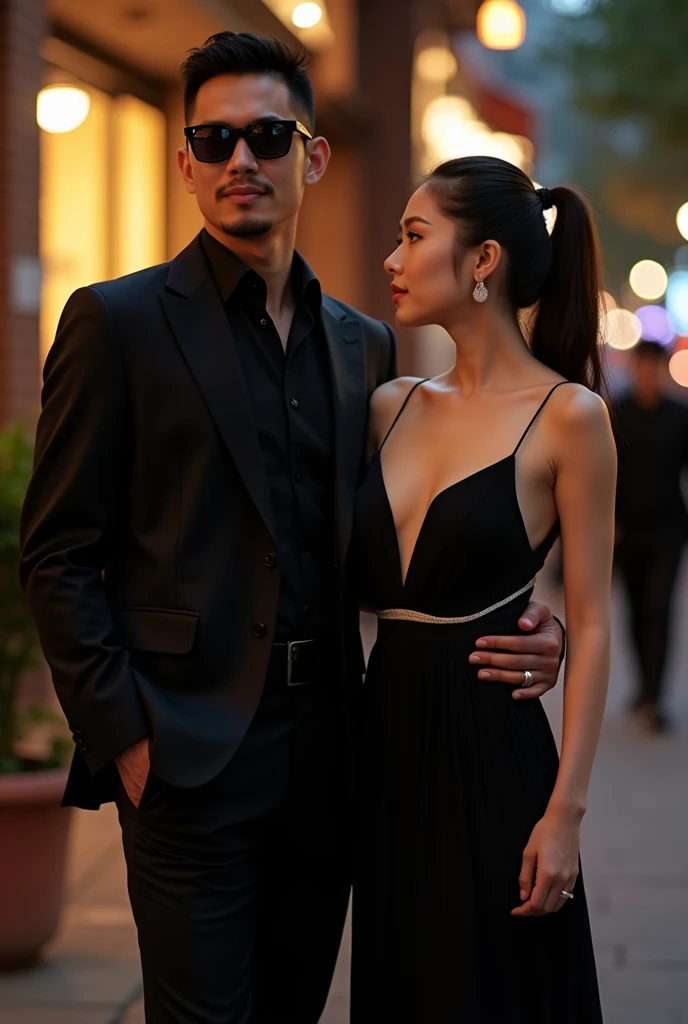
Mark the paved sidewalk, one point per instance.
(635, 851)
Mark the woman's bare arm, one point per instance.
(584, 490)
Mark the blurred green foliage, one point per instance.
(628, 59)
(626, 64)
(19, 648)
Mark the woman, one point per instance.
(468, 908)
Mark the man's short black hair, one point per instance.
(242, 53)
(650, 349)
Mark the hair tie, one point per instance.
(545, 198)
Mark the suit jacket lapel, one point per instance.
(199, 323)
(347, 359)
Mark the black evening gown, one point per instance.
(454, 775)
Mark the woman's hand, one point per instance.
(550, 864)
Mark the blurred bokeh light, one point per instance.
(501, 24)
(622, 329)
(307, 15)
(648, 279)
(678, 367)
(677, 300)
(451, 128)
(656, 324)
(436, 64)
(682, 220)
(62, 108)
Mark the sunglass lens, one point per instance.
(213, 142)
(271, 139)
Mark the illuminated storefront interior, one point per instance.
(102, 201)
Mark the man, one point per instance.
(185, 536)
(652, 524)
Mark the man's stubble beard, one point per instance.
(252, 228)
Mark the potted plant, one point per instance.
(33, 746)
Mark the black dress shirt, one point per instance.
(652, 447)
(291, 396)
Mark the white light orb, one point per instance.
(622, 329)
(648, 279)
(62, 108)
(307, 15)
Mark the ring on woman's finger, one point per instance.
(566, 895)
(527, 679)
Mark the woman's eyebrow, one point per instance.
(412, 220)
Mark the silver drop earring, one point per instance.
(480, 292)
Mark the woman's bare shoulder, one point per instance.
(393, 392)
(575, 407)
(385, 403)
(581, 420)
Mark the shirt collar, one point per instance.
(232, 274)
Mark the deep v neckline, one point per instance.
(446, 490)
(403, 576)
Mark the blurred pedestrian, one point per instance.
(652, 523)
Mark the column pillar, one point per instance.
(22, 27)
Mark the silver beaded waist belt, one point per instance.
(407, 615)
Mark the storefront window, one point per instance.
(102, 200)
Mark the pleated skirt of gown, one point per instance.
(453, 776)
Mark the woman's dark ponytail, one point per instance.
(566, 329)
(556, 278)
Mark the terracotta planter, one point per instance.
(33, 845)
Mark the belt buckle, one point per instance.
(293, 648)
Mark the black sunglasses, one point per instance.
(268, 140)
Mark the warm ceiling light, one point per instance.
(682, 220)
(501, 24)
(62, 108)
(307, 15)
(649, 279)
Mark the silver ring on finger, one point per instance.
(566, 895)
(527, 679)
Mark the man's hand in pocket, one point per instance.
(133, 766)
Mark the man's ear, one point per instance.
(184, 164)
(318, 157)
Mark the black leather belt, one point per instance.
(297, 662)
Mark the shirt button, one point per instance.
(297, 477)
(294, 403)
(259, 630)
(263, 323)
(270, 559)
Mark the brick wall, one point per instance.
(22, 27)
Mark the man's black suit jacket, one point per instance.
(148, 526)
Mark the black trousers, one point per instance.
(240, 887)
(649, 567)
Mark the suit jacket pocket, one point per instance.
(158, 630)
